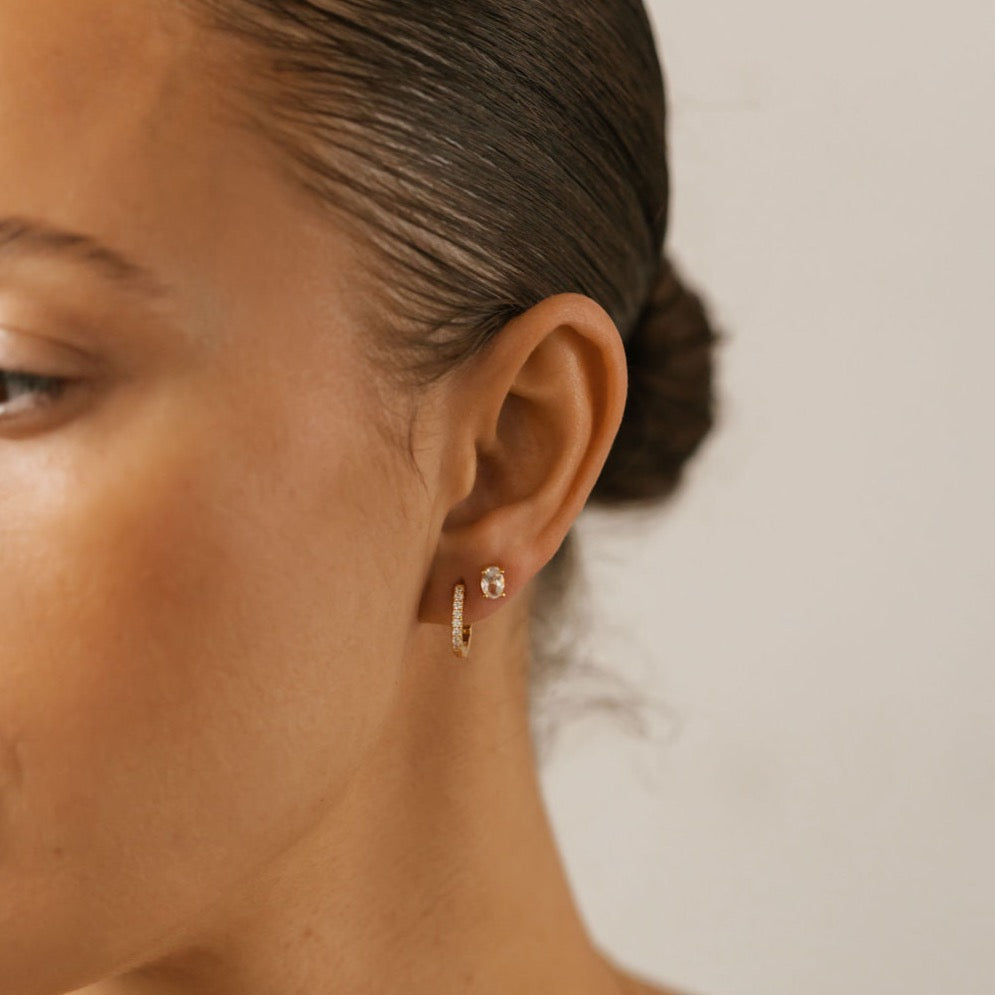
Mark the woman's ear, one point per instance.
(530, 421)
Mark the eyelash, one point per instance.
(48, 388)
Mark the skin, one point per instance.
(237, 754)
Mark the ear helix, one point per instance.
(492, 586)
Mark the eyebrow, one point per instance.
(20, 236)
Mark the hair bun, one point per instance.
(671, 402)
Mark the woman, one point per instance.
(316, 327)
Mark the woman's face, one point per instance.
(191, 532)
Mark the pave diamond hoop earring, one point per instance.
(461, 632)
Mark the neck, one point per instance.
(436, 870)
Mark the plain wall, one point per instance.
(812, 810)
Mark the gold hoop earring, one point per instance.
(461, 632)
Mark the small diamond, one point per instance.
(461, 632)
(492, 582)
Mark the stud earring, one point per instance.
(492, 583)
(461, 632)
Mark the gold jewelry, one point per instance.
(493, 586)
(492, 583)
(461, 632)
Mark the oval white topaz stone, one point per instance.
(492, 582)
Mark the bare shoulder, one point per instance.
(647, 988)
(639, 987)
(633, 984)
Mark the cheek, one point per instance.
(185, 676)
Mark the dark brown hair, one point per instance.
(494, 152)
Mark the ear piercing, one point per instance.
(492, 585)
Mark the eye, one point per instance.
(16, 385)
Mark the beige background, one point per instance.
(817, 813)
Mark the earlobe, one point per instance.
(533, 417)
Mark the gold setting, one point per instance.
(492, 583)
